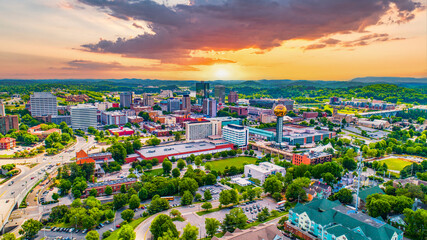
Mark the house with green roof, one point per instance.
(330, 220)
(364, 193)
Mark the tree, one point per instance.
(235, 219)
(211, 225)
(175, 213)
(416, 223)
(153, 141)
(64, 186)
(143, 194)
(55, 196)
(108, 190)
(349, 163)
(167, 167)
(187, 198)
(190, 232)
(329, 178)
(126, 233)
(272, 185)
(176, 173)
(207, 195)
(93, 192)
(177, 136)
(210, 179)
(378, 207)
(8, 236)
(123, 188)
(277, 196)
(161, 224)
(207, 206)
(137, 144)
(181, 164)
(343, 195)
(30, 228)
(263, 215)
(127, 215)
(158, 204)
(109, 214)
(88, 222)
(134, 202)
(198, 161)
(224, 197)
(119, 200)
(188, 184)
(295, 191)
(92, 235)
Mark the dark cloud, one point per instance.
(136, 25)
(229, 25)
(361, 41)
(85, 65)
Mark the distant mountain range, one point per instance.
(264, 83)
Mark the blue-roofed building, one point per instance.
(330, 220)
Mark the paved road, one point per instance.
(12, 194)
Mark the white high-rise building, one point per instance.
(201, 130)
(236, 134)
(43, 104)
(83, 116)
(2, 110)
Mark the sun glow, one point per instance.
(222, 74)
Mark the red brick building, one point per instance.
(241, 111)
(310, 115)
(8, 122)
(7, 143)
(115, 185)
(311, 158)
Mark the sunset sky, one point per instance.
(212, 39)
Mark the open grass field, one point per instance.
(236, 161)
(154, 172)
(396, 163)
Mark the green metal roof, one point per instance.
(369, 191)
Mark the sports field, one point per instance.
(396, 163)
(237, 161)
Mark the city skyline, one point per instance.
(213, 39)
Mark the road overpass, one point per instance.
(12, 194)
(271, 150)
(385, 113)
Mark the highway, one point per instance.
(12, 194)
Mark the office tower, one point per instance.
(147, 100)
(233, 97)
(236, 134)
(174, 104)
(8, 122)
(2, 109)
(201, 130)
(43, 104)
(220, 93)
(83, 116)
(186, 103)
(209, 107)
(202, 91)
(125, 99)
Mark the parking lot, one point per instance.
(77, 234)
(215, 190)
(199, 221)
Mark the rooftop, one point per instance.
(112, 182)
(175, 149)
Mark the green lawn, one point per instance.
(115, 235)
(396, 163)
(237, 161)
(155, 172)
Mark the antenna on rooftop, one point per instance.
(359, 172)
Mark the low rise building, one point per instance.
(311, 158)
(182, 150)
(329, 220)
(114, 184)
(260, 232)
(263, 170)
(7, 143)
(378, 124)
(309, 115)
(42, 134)
(241, 111)
(122, 131)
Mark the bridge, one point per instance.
(268, 149)
(385, 113)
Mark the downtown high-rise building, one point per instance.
(202, 91)
(43, 104)
(83, 116)
(233, 97)
(186, 103)
(125, 99)
(2, 109)
(209, 107)
(220, 93)
(147, 99)
(173, 104)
